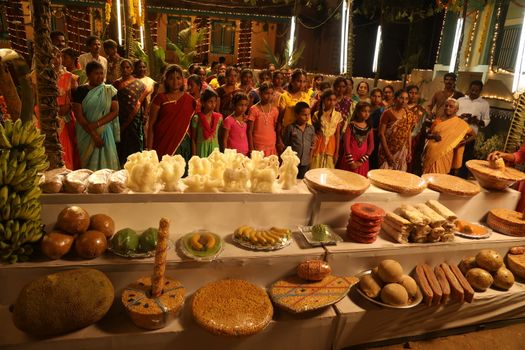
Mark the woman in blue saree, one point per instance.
(96, 107)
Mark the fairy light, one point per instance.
(471, 37)
(376, 49)
(119, 23)
(441, 36)
(455, 47)
(518, 83)
(495, 37)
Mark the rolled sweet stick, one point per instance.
(161, 252)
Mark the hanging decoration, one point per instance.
(107, 11)
(495, 36)
(472, 34)
(488, 12)
(132, 11)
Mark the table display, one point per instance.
(254, 218)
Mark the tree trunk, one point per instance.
(46, 82)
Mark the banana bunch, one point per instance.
(22, 158)
(263, 238)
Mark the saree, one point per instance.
(132, 137)
(66, 130)
(441, 157)
(398, 136)
(172, 125)
(357, 143)
(95, 106)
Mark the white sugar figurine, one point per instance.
(172, 171)
(289, 169)
(264, 172)
(143, 172)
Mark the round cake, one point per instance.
(445, 183)
(232, 307)
(493, 179)
(396, 181)
(506, 221)
(336, 181)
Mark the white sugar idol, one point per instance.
(199, 166)
(172, 171)
(263, 172)
(143, 172)
(237, 175)
(289, 169)
(218, 165)
(199, 178)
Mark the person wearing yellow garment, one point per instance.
(287, 102)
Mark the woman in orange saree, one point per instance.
(447, 139)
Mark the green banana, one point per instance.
(4, 141)
(4, 193)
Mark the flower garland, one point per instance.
(107, 10)
(4, 115)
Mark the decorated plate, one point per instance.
(296, 295)
(336, 181)
(282, 244)
(451, 184)
(482, 231)
(413, 303)
(332, 239)
(139, 255)
(201, 245)
(397, 181)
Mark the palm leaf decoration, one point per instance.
(287, 59)
(186, 48)
(517, 127)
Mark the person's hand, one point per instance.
(466, 116)
(355, 165)
(93, 126)
(99, 143)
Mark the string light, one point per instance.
(495, 37)
(441, 36)
(471, 37)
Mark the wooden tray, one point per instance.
(451, 184)
(397, 181)
(296, 295)
(336, 181)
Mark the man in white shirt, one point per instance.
(476, 112)
(93, 45)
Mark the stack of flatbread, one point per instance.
(421, 223)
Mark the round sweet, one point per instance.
(313, 270)
(73, 220)
(489, 260)
(451, 184)
(364, 222)
(503, 278)
(390, 271)
(506, 221)
(410, 285)
(397, 181)
(479, 279)
(394, 294)
(232, 307)
(367, 211)
(102, 223)
(361, 239)
(55, 244)
(354, 225)
(91, 244)
(149, 312)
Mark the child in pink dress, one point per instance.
(358, 141)
(262, 122)
(235, 128)
(517, 157)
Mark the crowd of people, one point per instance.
(110, 108)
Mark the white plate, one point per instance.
(415, 302)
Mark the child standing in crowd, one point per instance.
(358, 141)
(205, 126)
(300, 136)
(327, 122)
(262, 122)
(235, 136)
